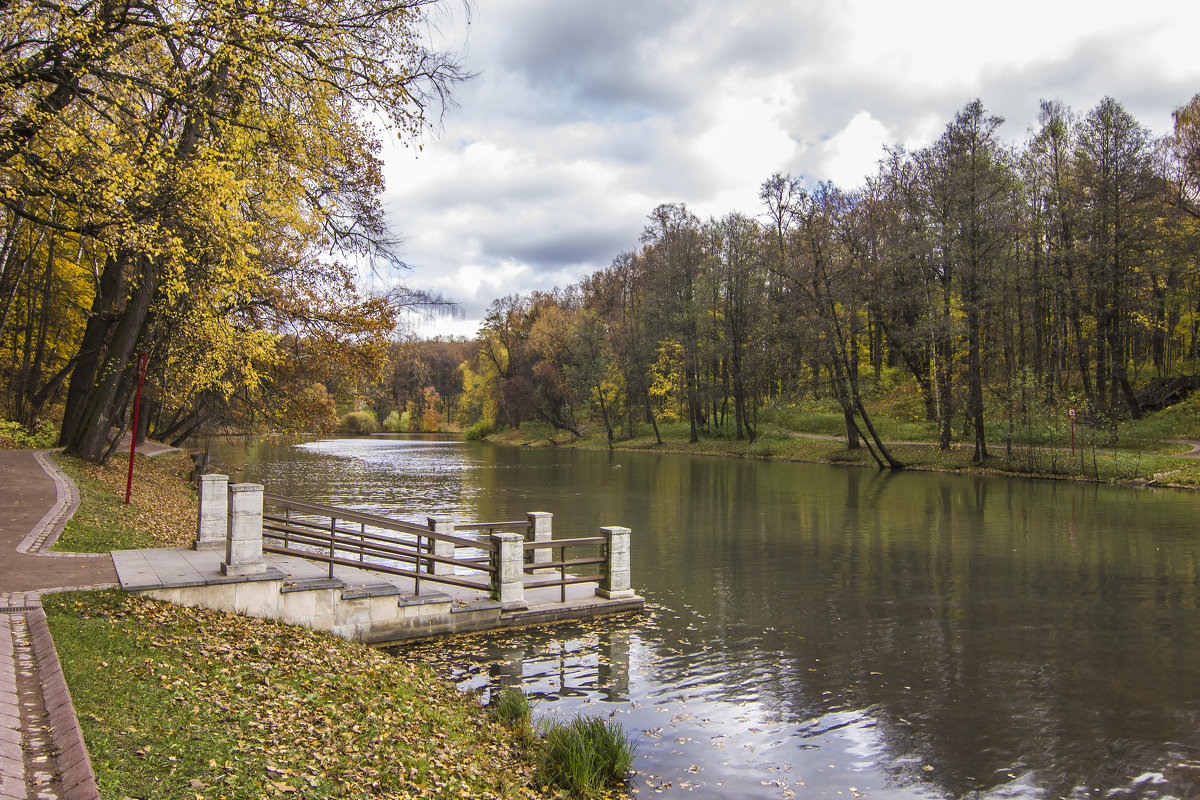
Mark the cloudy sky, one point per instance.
(583, 116)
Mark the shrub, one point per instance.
(480, 430)
(14, 434)
(357, 423)
(392, 423)
(586, 756)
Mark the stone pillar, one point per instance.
(444, 526)
(615, 584)
(212, 523)
(508, 570)
(243, 550)
(539, 527)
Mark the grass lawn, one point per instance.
(161, 513)
(189, 703)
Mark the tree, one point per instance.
(974, 185)
(1053, 209)
(505, 360)
(904, 270)
(674, 248)
(741, 284)
(1116, 176)
(821, 255)
(1185, 153)
(190, 142)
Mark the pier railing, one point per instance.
(368, 541)
(503, 558)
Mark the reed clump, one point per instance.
(586, 756)
(514, 709)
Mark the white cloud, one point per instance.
(850, 155)
(585, 116)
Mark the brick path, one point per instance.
(42, 755)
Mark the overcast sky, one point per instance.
(584, 116)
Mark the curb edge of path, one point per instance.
(74, 766)
(46, 532)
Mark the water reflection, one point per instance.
(820, 630)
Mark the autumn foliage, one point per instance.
(198, 181)
(995, 281)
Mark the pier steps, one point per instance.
(355, 604)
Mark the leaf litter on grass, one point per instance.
(161, 512)
(277, 710)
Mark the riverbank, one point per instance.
(179, 702)
(1148, 463)
(187, 703)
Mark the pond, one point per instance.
(818, 631)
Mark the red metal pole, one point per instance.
(137, 402)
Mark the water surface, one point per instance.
(821, 631)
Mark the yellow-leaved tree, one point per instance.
(204, 159)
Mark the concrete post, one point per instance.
(212, 523)
(445, 526)
(508, 570)
(539, 526)
(615, 584)
(243, 550)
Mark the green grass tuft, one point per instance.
(511, 707)
(586, 756)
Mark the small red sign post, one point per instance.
(137, 402)
(1071, 414)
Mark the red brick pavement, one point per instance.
(42, 754)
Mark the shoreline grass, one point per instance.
(589, 757)
(586, 755)
(1138, 462)
(809, 428)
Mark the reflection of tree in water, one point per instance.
(980, 669)
(1016, 638)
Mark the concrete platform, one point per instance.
(357, 604)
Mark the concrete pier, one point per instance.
(615, 585)
(355, 604)
(211, 523)
(243, 546)
(324, 578)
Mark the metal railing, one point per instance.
(561, 564)
(434, 553)
(322, 533)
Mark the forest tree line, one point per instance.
(179, 183)
(992, 276)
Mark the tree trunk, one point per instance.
(91, 348)
(975, 382)
(98, 402)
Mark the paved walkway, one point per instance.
(42, 755)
